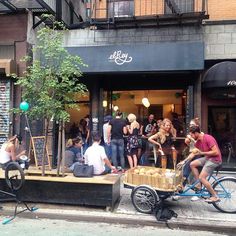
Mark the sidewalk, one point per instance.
(191, 215)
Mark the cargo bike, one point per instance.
(150, 186)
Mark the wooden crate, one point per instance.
(159, 179)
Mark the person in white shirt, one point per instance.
(95, 155)
(107, 145)
(8, 151)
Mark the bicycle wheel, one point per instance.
(226, 190)
(144, 199)
(14, 176)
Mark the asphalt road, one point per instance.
(44, 227)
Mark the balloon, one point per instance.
(24, 106)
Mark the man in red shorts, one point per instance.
(208, 148)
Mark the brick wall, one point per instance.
(222, 9)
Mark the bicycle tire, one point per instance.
(227, 202)
(144, 199)
(14, 176)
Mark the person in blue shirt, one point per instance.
(73, 153)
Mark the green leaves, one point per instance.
(50, 82)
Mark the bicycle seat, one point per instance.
(218, 168)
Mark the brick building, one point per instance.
(159, 49)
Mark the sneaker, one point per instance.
(175, 198)
(195, 198)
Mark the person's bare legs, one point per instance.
(135, 159)
(130, 160)
(203, 178)
(194, 167)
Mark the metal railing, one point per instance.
(136, 8)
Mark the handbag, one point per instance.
(83, 171)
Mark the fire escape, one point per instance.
(62, 10)
(145, 13)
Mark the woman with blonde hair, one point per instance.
(9, 149)
(164, 141)
(132, 142)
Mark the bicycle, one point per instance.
(145, 198)
(15, 179)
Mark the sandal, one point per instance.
(212, 200)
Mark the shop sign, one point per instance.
(120, 58)
(231, 83)
(167, 56)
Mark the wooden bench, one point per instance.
(96, 191)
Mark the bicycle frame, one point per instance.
(203, 192)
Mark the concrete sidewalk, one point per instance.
(191, 215)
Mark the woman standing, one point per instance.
(164, 141)
(132, 140)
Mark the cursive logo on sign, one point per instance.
(120, 58)
(231, 83)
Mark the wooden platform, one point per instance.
(96, 191)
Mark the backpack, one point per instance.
(163, 213)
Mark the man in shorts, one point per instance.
(206, 146)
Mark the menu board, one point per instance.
(37, 143)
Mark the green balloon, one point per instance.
(24, 106)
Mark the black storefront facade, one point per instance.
(138, 67)
(219, 107)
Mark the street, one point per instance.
(42, 227)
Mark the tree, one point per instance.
(51, 80)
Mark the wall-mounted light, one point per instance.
(104, 103)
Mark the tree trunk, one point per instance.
(59, 150)
(63, 149)
(45, 145)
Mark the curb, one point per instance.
(226, 227)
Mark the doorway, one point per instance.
(222, 127)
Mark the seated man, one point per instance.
(96, 156)
(206, 146)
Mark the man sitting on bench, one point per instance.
(96, 156)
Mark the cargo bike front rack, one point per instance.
(146, 197)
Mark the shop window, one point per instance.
(183, 5)
(120, 8)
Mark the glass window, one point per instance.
(183, 5)
(120, 8)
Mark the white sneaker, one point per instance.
(195, 198)
(175, 198)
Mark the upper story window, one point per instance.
(183, 6)
(118, 8)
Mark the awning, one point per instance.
(221, 75)
(7, 65)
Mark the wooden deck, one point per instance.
(96, 191)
